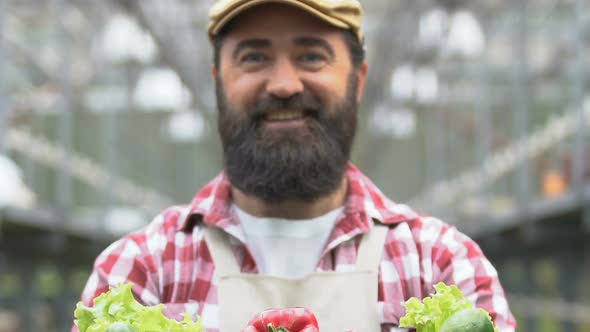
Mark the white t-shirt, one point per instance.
(284, 247)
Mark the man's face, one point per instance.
(287, 95)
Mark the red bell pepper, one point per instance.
(296, 319)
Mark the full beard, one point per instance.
(300, 164)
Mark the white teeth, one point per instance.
(285, 115)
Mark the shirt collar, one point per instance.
(365, 204)
(365, 198)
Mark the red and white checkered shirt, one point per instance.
(169, 262)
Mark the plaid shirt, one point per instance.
(168, 261)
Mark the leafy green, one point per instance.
(429, 315)
(120, 327)
(119, 306)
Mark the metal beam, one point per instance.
(580, 145)
(521, 98)
(3, 96)
(48, 219)
(27, 301)
(538, 307)
(64, 187)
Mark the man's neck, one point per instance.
(297, 210)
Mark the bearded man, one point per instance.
(290, 221)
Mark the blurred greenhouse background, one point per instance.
(477, 112)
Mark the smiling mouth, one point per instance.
(278, 116)
(285, 116)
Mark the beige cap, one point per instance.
(344, 14)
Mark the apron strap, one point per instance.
(221, 252)
(371, 248)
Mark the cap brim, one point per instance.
(214, 30)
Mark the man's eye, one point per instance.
(253, 57)
(313, 57)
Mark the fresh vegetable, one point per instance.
(468, 320)
(445, 311)
(120, 327)
(296, 319)
(118, 311)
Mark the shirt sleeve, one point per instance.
(460, 261)
(123, 261)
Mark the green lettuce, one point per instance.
(430, 314)
(119, 306)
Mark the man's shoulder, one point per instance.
(423, 227)
(170, 221)
(162, 231)
(366, 196)
(173, 219)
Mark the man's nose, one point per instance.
(285, 80)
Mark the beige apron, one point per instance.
(342, 301)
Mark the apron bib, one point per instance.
(341, 301)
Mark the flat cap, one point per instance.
(345, 14)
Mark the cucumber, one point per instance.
(468, 320)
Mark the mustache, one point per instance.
(304, 101)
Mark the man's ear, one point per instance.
(214, 72)
(362, 80)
